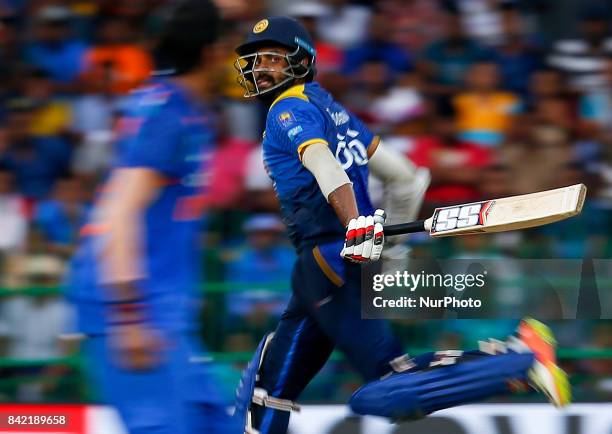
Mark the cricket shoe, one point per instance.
(545, 375)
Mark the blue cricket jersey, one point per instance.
(302, 115)
(167, 131)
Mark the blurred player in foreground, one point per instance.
(319, 155)
(134, 278)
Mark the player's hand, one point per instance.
(137, 346)
(364, 238)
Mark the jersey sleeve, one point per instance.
(294, 124)
(151, 140)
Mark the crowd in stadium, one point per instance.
(495, 97)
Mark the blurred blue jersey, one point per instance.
(167, 131)
(300, 116)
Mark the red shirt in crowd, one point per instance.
(432, 152)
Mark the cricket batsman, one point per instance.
(134, 277)
(319, 156)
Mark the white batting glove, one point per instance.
(365, 239)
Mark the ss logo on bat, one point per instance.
(446, 219)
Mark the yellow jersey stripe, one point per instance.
(296, 91)
(307, 143)
(373, 146)
(325, 267)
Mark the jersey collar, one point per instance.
(296, 91)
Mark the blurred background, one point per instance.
(495, 97)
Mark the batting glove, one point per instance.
(365, 238)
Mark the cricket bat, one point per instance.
(499, 215)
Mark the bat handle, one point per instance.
(405, 228)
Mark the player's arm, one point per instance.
(364, 238)
(333, 181)
(148, 143)
(404, 183)
(297, 128)
(147, 160)
(133, 189)
(136, 344)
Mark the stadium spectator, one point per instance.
(346, 25)
(516, 54)
(555, 111)
(9, 44)
(594, 150)
(496, 181)
(85, 15)
(53, 116)
(373, 79)
(485, 112)
(37, 265)
(594, 135)
(35, 161)
(329, 56)
(545, 83)
(54, 49)
(540, 147)
(31, 327)
(134, 11)
(229, 170)
(445, 62)
(34, 339)
(115, 59)
(256, 272)
(595, 107)
(379, 45)
(94, 112)
(260, 195)
(401, 103)
(14, 221)
(582, 59)
(456, 166)
(60, 217)
(483, 20)
(417, 23)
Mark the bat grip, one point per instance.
(405, 228)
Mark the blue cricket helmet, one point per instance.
(284, 31)
(276, 31)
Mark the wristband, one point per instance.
(126, 321)
(128, 307)
(127, 313)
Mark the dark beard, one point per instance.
(269, 97)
